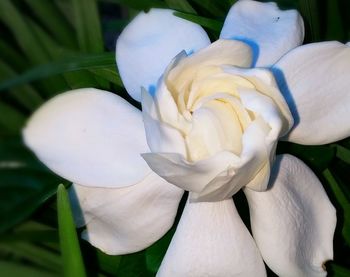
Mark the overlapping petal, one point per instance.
(149, 42)
(293, 222)
(211, 240)
(269, 31)
(221, 175)
(126, 220)
(90, 137)
(313, 80)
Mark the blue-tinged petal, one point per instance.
(314, 80)
(149, 43)
(293, 221)
(269, 31)
(90, 137)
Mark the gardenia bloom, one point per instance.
(209, 125)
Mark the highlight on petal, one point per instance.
(269, 31)
(293, 222)
(125, 220)
(211, 240)
(313, 79)
(90, 137)
(149, 43)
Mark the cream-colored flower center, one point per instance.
(213, 123)
(210, 101)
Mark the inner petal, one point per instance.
(215, 127)
(203, 86)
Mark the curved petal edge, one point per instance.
(313, 79)
(149, 43)
(89, 137)
(269, 31)
(293, 222)
(211, 240)
(125, 220)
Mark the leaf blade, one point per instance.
(73, 264)
(91, 61)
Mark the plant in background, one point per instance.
(211, 125)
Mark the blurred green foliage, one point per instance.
(47, 47)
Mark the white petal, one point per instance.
(126, 220)
(265, 84)
(211, 240)
(149, 43)
(270, 31)
(220, 52)
(293, 222)
(314, 80)
(189, 176)
(223, 174)
(90, 137)
(161, 137)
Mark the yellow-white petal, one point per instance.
(269, 31)
(126, 220)
(293, 221)
(90, 137)
(314, 80)
(211, 240)
(221, 175)
(148, 44)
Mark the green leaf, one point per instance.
(74, 79)
(310, 11)
(108, 263)
(216, 8)
(343, 202)
(22, 192)
(182, 6)
(156, 252)
(25, 95)
(17, 269)
(33, 236)
(28, 42)
(342, 153)
(318, 157)
(140, 4)
(73, 264)
(18, 24)
(10, 118)
(339, 271)
(13, 152)
(110, 74)
(87, 25)
(33, 253)
(51, 17)
(133, 265)
(335, 29)
(92, 61)
(209, 23)
(12, 56)
(25, 183)
(89, 31)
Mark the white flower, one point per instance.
(211, 124)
